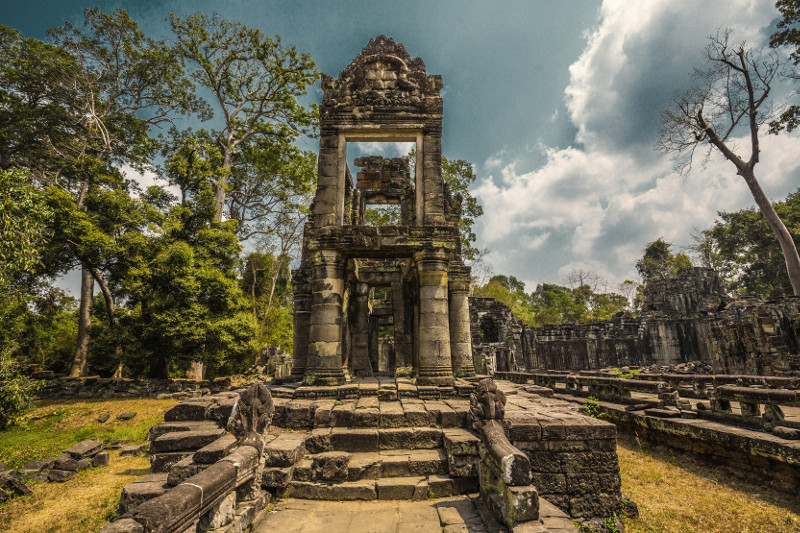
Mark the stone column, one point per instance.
(460, 336)
(325, 339)
(328, 197)
(301, 294)
(360, 330)
(434, 325)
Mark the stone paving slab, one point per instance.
(294, 516)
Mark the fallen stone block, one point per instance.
(786, 432)
(60, 476)
(134, 449)
(123, 525)
(129, 415)
(86, 448)
(101, 459)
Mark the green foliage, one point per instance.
(24, 215)
(592, 408)
(382, 215)
(16, 391)
(458, 175)
(745, 251)
(658, 262)
(625, 375)
(552, 304)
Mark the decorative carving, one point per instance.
(487, 402)
(252, 412)
(382, 74)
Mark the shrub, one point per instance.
(16, 392)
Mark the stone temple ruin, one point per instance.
(383, 402)
(382, 300)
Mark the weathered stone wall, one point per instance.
(684, 319)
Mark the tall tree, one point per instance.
(731, 97)
(125, 84)
(254, 82)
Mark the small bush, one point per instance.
(16, 392)
(592, 408)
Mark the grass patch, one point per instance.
(676, 494)
(85, 503)
(53, 426)
(90, 499)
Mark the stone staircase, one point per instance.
(366, 449)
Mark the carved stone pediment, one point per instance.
(382, 74)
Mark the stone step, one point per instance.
(394, 488)
(342, 466)
(354, 439)
(370, 412)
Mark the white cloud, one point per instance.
(148, 179)
(596, 205)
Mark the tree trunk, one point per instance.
(777, 226)
(79, 366)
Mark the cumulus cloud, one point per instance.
(595, 205)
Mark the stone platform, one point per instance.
(379, 439)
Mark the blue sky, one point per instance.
(556, 104)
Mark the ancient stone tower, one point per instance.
(389, 299)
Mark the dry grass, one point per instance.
(677, 495)
(90, 499)
(84, 503)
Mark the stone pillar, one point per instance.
(433, 188)
(327, 208)
(325, 339)
(360, 330)
(434, 325)
(301, 294)
(460, 336)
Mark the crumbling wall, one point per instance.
(687, 318)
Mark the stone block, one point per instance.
(161, 462)
(367, 417)
(101, 459)
(342, 414)
(188, 411)
(213, 452)
(166, 512)
(400, 488)
(395, 464)
(319, 440)
(139, 492)
(392, 415)
(354, 440)
(180, 425)
(322, 413)
(427, 462)
(278, 477)
(330, 466)
(462, 465)
(185, 440)
(417, 415)
(220, 514)
(442, 486)
(364, 466)
(183, 470)
(460, 442)
(86, 448)
(286, 450)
